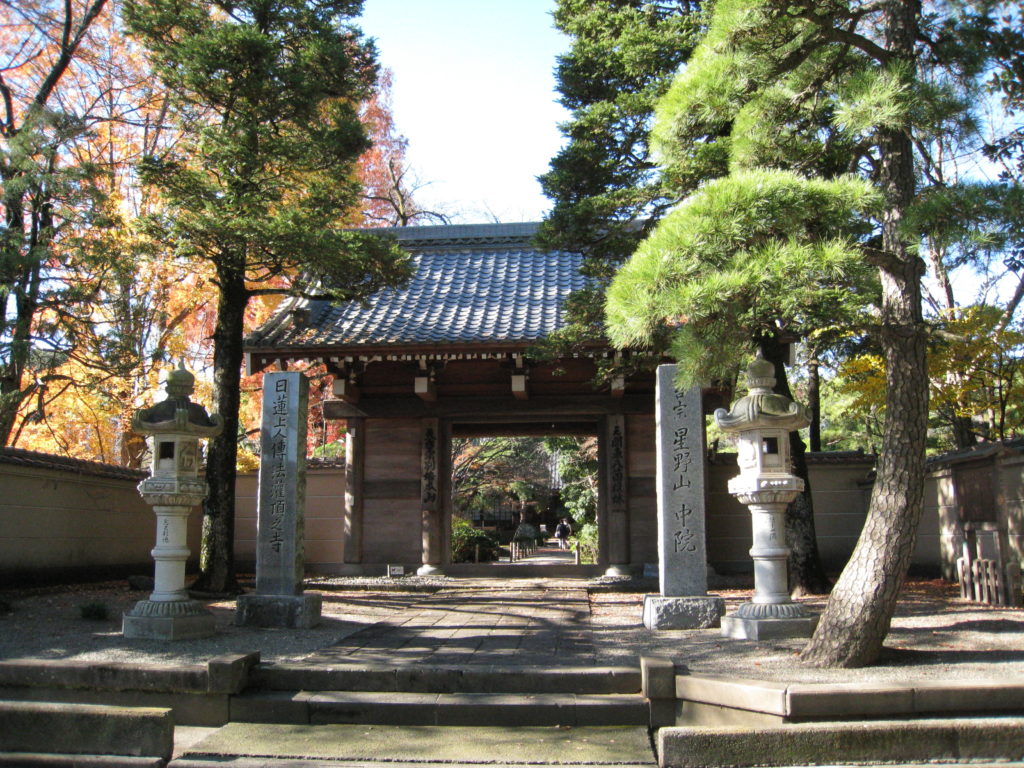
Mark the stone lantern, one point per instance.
(762, 421)
(173, 488)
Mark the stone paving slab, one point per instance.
(430, 744)
(525, 625)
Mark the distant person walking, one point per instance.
(562, 532)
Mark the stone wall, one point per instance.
(325, 506)
(840, 487)
(65, 518)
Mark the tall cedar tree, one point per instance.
(607, 192)
(781, 236)
(266, 93)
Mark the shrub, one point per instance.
(465, 539)
(586, 537)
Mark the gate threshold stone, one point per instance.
(610, 745)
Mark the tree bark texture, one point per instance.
(806, 574)
(814, 401)
(859, 611)
(217, 551)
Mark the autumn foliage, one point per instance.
(96, 308)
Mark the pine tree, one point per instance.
(266, 94)
(607, 192)
(767, 245)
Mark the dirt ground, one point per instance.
(934, 634)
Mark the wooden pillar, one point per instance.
(355, 460)
(430, 498)
(616, 492)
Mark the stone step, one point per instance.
(42, 729)
(251, 745)
(425, 679)
(939, 740)
(464, 709)
(47, 760)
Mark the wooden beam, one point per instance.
(425, 388)
(519, 386)
(489, 408)
(528, 429)
(346, 390)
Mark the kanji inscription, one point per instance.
(281, 506)
(680, 458)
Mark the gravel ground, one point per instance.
(934, 635)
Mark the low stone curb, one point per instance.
(222, 674)
(838, 701)
(86, 729)
(842, 743)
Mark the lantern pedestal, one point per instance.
(762, 421)
(169, 613)
(171, 620)
(176, 425)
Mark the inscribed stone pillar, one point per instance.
(279, 600)
(682, 550)
(617, 504)
(430, 497)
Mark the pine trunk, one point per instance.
(217, 551)
(806, 574)
(860, 608)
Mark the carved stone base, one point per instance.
(753, 621)
(429, 570)
(698, 612)
(168, 620)
(291, 611)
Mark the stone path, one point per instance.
(531, 626)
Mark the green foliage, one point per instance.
(577, 467)
(603, 183)
(739, 257)
(466, 539)
(585, 537)
(94, 611)
(262, 184)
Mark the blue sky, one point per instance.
(474, 92)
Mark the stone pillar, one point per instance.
(617, 507)
(682, 551)
(430, 498)
(355, 458)
(279, 600)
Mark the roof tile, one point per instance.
(472, 283)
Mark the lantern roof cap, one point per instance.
(177, 413)
(761, 406)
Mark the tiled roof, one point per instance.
(25, 458)
(472, 284)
